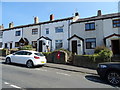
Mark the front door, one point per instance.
(10, 45)
(40, 46)
(116, 46)
(74, 46)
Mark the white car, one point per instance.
(29, 58)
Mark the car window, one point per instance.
(27, 53)
(39, 54)
(19, 53)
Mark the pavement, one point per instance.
(67, 68)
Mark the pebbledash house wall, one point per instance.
(103, 28)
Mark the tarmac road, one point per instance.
(18, 76)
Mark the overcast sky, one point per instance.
(22, 13)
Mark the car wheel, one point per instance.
(113, 78)
(8, 60)
(29, 64)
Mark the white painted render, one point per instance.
(27, 33)
(103, 28)
(9, 37)
(56, 36)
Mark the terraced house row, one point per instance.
(79, 35)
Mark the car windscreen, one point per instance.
(39, 54)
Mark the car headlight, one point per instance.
(102, 66)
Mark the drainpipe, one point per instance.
(68, 34)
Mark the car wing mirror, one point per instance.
(13, 53)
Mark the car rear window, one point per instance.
(39, 54)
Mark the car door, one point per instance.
(17, 57)
(25, 57)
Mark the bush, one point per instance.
(26, 47)
(46, 53)
(106, 55)
(99, 49)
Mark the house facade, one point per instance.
(54, 34)
(100, 30)
(44, 36)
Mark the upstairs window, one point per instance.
(35, 31)
(116, 23)
(59, 29)
(89, 26)
(47, 30)
(17, 33)
(90, 43)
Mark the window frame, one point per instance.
(35, 31)
(16, 45)
(57, 29)
(33, 43)
(116, 23)
(90, 28)
(90, 42)
(47, 31)
(58, 43)
(17, 34)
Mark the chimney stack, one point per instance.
(99, 13)
(51, 17)
(11, 25)
(36, 20)
(1, 27)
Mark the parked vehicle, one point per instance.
(29, 58)
(110, 71)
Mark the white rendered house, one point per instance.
(100, 30)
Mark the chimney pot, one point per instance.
(76, 14)
(99, 13)
(11, 25)
(36, 20)
(51, 17)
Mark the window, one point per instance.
(58, 44)
(17, 33)
(34, 44)
(58, 29)
(90, 26)
(116, 23)
(1, 34)
(6, 45)
(0, 44)
(17, 44)
(19, 53)
(27, 53)
(34, 31)
(47, 30)
(90, 43)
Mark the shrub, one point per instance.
(106, 55)
(26, 47)
(46, 53)
(99, 49)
